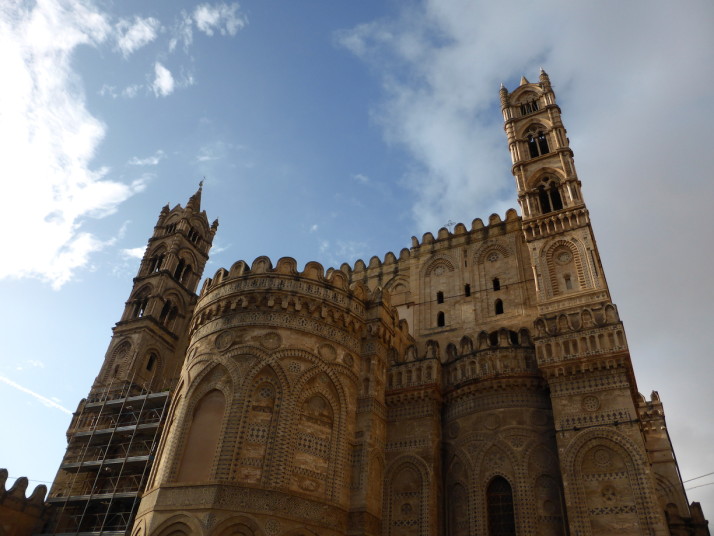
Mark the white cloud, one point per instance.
(134, 253)
(49, 139)
(132, 35)
(152, 160)
(131, 91)
(182, 33)
(359, 177)
(50, 403)
(222, 18)
(163, 84)
(313, 227)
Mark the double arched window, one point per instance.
(537, 141)
(182, 272)
(549, 195)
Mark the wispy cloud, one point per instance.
(152, 160)
(335, 253)
(46, 401)
(222, 18)
(163, 84)
(49, 139)
(134, 253)
(132, 35)
(359, 177)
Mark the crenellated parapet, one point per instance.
(21, 515)
(592, 333)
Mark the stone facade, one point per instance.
(479, 383)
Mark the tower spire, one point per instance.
(195, 200)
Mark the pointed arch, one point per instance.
(315, 446)
(179, 525)
(262, 404)
(500, 508)
(139, 302)
(202, 439)
(118, 361)
(406, 496)
(482, 254)
(437, 264)
(600, 451)
(565, 267)
(209, 430)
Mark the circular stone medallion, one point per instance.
(591, 403)
(224, 340)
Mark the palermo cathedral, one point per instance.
(477, 383)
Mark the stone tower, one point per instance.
(114, 431)
(613, 482)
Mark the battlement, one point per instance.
(20, 514)
(444, 239)
(287, 267)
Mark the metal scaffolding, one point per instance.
(111, 446)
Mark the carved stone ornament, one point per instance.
(563, 257)
(602, 457)
(224, 340)
(271, 341)
(591, 403)
(272, 526)
(492, 257)
(492, 421)
(349, 360)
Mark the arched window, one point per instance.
(140, 304)
(170, 228)
(155, 263)
(499, 307)
(496, 284)
(499, 500)
(467, 290)
(529, 107)
(549, 196)
(168, 313)
(185, 275)
(193, 235)
(440, 320)
(537, 141)
(151, 362)
(179, 269)
(568, 282)
(439, 297)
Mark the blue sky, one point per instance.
(333, 131)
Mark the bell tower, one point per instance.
(556, 223)
(612, 473)
(113, 435)
(149, 341)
